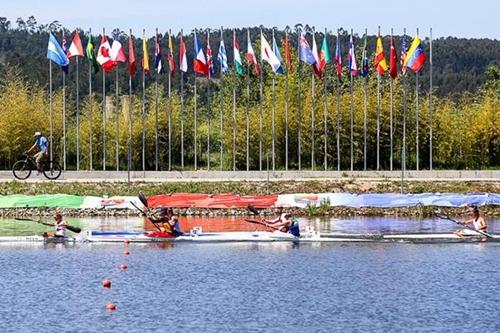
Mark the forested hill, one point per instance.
(459, 64)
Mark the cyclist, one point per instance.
(42, 144)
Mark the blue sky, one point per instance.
(477, 19)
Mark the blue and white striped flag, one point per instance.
(222, 57)
(56, 53)
(276, 49)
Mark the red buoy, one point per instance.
(111, 307)
(126, 253)
(123, 267)
(106, 283)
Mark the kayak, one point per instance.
(197, 235)
(37, 239)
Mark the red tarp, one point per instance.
(185, 200)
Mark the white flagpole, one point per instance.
(51, 121)
(170, 54)
(416, 117)
(143, 112)
(90, 111)
(64, 120)
(222, 112)
(261, 91)
(156, 106)
(325, 115)
(378, 115)
(103, 114)
(117, 115)
(77, 117)
(352, 115)
(430, 100)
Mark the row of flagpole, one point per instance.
(110, 56)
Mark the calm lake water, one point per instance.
(276, 287)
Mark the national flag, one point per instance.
(365, 67)
(267, 55)
(200, 62)
(338, 58)
(380, 63)
(404, 49)
(116, 52)
(238, 65)
(306, 54)
(222, 56)
(324, 55)
(104, 57)
(65, 48)
(317, 64)
(393, 61)
(90, 53)
(183, 65)
(288, 57)
(351, 55)
(158, 60)
(145, 55)
(170, 56)
(56, 53)
(415, 59)
(276, 49)
(210, 61)
(251, 55)
(76, 48)
(131, 56)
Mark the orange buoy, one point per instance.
(106, 283)
(126, 253)
(123, 267)
(110, 307)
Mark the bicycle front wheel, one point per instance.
(21, 170)
(52, 170)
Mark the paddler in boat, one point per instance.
(169, 222)
(477, 221)
(284, 222)
(60, 226)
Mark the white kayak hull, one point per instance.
(277, 236)
(197, 236)
(36, 239)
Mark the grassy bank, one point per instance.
(248, 188)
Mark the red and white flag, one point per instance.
(104, 56)
(251, 55)
(116, 53)
(183, 65)
(75, 48)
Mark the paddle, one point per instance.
(69, 227)
(445, 216)
(253, 209)
(144, 201)
(262, 223)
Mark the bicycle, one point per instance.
(22, 168)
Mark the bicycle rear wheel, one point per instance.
(21, 170)
(51, 170)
